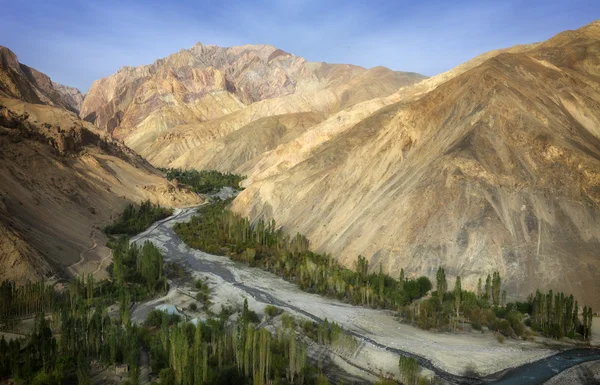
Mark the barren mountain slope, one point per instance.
(61, 180)
(22, 82)
(497, 168)
(229, 152)
(226, 88)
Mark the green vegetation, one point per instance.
(409, 370)
(272, 311)
(135, 220)
(203, 295)
(217, 230)
(18, 301)
(210, 352)
(204, 182)
(554, 316)
(136, 271)
(557, 316)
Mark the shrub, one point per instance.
(167, 376)
(504, 327)
(193, 307)
(271, 310)
(288, 321)
(500, 338)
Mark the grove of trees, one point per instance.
(205, 181)
(217, 230)
(553, 315)
(134, 219)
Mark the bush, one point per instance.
(288, 321)
(193, 307)
(476, 325)
(271, 310)
(500, 338)
(155, 318)
(167, 376)
(515, 320)
(504, 327)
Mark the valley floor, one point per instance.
(379, 334)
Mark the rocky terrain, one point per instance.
(167, 109)
(62, 179)
(28, 84)
(492, 166)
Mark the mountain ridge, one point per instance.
(62, 180)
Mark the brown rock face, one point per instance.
(493, 166)
(207, 92)
(61, 180)
(22, 82)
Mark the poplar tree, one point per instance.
(197, 354)
(442, 284)
(457, 295)
(488, 288)
(496, 288)
(381, 282)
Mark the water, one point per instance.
(536, 372)
(541, 371)
(170, 309)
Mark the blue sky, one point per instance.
(77, 42)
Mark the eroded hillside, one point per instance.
(62, 180)
(493, 167)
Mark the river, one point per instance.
(450, 356)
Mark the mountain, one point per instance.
(22, 82)
(493, 166)
(166, 110)
(71, 96)
(62, 180)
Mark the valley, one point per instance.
(240, 214)
(462, 357)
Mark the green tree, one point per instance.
(408, 370)
(457, 295)
(488, 288)
(442, 284)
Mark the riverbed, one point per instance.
(463, 357)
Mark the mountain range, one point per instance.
(492, 166)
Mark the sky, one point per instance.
(77, 42)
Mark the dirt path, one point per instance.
(84, 259)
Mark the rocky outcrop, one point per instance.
(492, 167)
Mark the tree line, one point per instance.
(553, 315)
(81, 334)
(134, 219)
(217, 230)
(204, 181)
